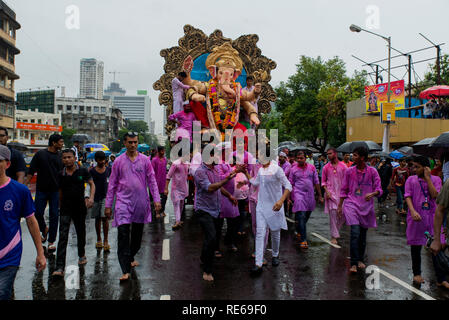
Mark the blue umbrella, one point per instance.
(121, 151)
(396, 155)
(143, 147)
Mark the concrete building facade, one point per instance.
(134, 108)
(8, 51)
(33, 128)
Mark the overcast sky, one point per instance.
(128, 35)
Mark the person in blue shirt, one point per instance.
(15, 203)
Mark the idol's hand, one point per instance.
(257, 88)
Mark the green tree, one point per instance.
(138, 126)
(312, 103)
(67, 134)
(430, 78)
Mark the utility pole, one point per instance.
(437, 46)
(116, 72)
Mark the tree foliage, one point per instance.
(430, 78)
(141, 128)
(67, 134)
(311, 105)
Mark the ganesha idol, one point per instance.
(222, 95)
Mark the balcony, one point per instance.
(7, 93)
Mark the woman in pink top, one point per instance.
(304, 180)
(360, 185)
(178, 174)
(331, 179)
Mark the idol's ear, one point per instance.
(213, 71)
(237, 73)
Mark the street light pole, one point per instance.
(386, 137)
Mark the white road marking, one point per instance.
(405, 285)
(289, 220)
(165, 297)
(325, 240)
(167, 219)
(166, 249)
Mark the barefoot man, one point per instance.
(360, 185)
(333, 174)
(132, 175)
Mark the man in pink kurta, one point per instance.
(178, 91)
(178, 174)
(131, 177)
(304, 180)
(159, 164)
(185, 120)
(331, 179)
(360, 185)
(421, 191)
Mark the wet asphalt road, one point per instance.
(321, 272)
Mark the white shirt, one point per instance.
(270, 181)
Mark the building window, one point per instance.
(102, 122)
(88, 120)
(103, 109)
(10, 57)
(32, 120)
(88, 109)
(96, 109)
(68, 108)
(12, 32)
(2, 81)
(81, 108)
(3, 53)
(95, 122)
(2, 108)
(81, 122)
(74, 108)
(39, 121)
(59, 107)
(56, 122)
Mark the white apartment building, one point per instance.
(91, 78)
(134, 108)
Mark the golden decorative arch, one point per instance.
(195, 43)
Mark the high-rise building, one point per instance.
(8, 50)
(91, 78)
(134, 108)
(114, 90)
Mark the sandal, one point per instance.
(107, 247)
(44, 235)
(218, 254)
(304, 245)
(99, 245)
(58, 273)
(51, 247)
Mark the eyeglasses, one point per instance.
(2, 135)
(132, 133)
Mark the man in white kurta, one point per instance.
(269, 211)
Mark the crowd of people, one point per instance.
(133, 190)
(436, 109)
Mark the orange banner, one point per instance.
(38, 126)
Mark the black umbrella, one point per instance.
(18, 146)
(422, 146)
(81, 137)
(349, 147)
(442, 141)
(407, 151)
(381, 154)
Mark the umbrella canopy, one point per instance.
(18, 146)
(396, 154)
(442, 141)
(439, 91)
(406, 151)
(93, 147)
(349, 147)
(422, 146)
(300, 148)
(143, 147)
(381, 154)
(121, 151)
(81, 137)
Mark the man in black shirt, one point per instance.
(73, 206)
(47, 163)
(17, 169)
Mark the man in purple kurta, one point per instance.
(184, 119)
(421, 191)
(178, 91)
(159, 164)
(304, 180)
(331, 179)
(131, 177)
(360, 185)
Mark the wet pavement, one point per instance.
(172, 270)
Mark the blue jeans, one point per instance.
(7, 276)
(302, 217)
(358, 244)
(400, 197)
(40, 202)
